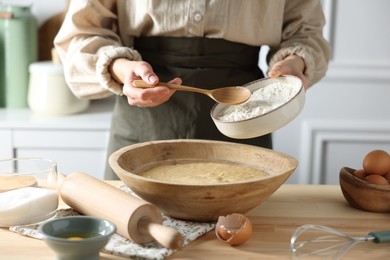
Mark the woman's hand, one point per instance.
(126, 71)
(291, 65)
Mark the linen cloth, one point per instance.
(121, 246)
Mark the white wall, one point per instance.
(347, 114)
(42, 9)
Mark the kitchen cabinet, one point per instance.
(77, 142)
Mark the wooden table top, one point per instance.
(274, 221)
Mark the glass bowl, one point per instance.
(28, 191)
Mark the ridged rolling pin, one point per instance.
(134, 218)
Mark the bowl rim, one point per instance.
(348, 170)
(113, 160)
(77, 218)
(51, 165)
(299, 92)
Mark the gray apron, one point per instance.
(200, 62)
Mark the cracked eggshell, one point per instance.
(234, 229)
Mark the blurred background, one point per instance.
(346, 115)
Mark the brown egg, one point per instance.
(376, 179)
(360, 173)
(234, 229)
(387, 177)
(377, 162)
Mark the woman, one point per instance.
(107, 44)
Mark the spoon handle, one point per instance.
(143, 84)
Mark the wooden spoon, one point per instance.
(226, 95)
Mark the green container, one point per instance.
(2, 69)
(18, 48)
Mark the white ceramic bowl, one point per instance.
(267, 122)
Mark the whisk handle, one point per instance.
(380, 236)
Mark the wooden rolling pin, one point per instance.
(134, 218)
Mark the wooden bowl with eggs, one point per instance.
(361, 194)
(368, 188)
(189, 195)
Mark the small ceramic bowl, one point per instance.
(363, 195)
(266, 122)
(77, 237)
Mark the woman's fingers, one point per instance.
(292, 65)
(149, 97)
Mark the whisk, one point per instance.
(332, 245)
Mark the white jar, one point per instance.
(48, 92)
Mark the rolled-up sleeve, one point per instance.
(87, 43)
(302, 35)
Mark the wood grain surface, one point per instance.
(273, 221)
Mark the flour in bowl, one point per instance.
(262, 101)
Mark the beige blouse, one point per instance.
(95, 32)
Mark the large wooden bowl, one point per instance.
(202, 202)
(363, 195)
